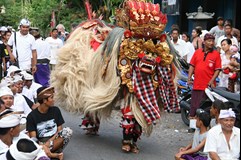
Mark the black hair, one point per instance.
(23, 145)
(219, 105)
(9, 156)
(175, 29)
(227, 40)
(198, 30)
(205, 118)
(228, 105)
(4, 131)
(228, 24)
(228, 21)
(187, 35)
(5, 33)
(26, 145)
(54, 29)
(1, 102)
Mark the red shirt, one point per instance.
(204, 67)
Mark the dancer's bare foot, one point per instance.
(126, 146)
(134, 148)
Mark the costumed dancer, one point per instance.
(133, 66)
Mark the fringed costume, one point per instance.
(131, 66)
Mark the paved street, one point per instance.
(161, 145)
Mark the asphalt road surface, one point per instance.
(166, 139)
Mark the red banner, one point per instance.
(53, 21)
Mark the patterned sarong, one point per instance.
(145, 93)
(167, 89)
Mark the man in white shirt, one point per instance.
(24, 50)
(179, 44)
(228, 35)
(10, 129)
(30, 85)
(10, 135)
(223, 141)
(20, 103)
(55, 45)
(42, 76)
(190, 46)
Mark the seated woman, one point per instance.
(194, 150)
(44, 124)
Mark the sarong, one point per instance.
(42, 75)
(193, 157)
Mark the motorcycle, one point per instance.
(212, 93)
(182, 86)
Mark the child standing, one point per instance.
(194, 150)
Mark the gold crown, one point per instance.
(144, 19)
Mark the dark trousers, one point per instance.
(196, 99)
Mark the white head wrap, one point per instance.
(10, 119)
(24, 22)
(227, 114)
(5, 91)
(4, 29)
(13, 68)
(28, 77)
(18, 155)
(17, 78)
(6, 82)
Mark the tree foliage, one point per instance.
(39, 12)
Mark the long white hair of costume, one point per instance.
(69, 76)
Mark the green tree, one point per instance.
(66, 11)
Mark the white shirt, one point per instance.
(43, 49)
(20, 104)
(216, 142)
(15, 140)
(191, 51)
(181, 46)
(4, 148)
(224, 77)
(233, 39)
(27, 93)
(25, 45)
(55, 45)
(217, 32)
(33, 89)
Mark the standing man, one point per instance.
(223, 141)
(55, 45)
(3, 50)
(24, 48)
(179, 44)
(218, 30)
(61, 32)
(205, 65)
(42, 76)
(228, 28)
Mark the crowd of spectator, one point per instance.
(26, 60)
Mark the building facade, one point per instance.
(177, 9)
